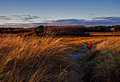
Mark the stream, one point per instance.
(85, 50)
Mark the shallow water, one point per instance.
(76, 56)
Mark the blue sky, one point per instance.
(25, 11)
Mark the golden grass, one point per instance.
(81, 40)
(103, 63)
(34, 59)
(104, 33)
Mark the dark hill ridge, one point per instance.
(78, 30)
(74, 30)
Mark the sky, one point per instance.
(36, 11)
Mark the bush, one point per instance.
(39, 29)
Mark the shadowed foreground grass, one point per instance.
(103, 63)
(34, 59)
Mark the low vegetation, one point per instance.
(32, 55)
(113, 28)
(36, 59)
(103, 63)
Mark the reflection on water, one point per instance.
(80, 54)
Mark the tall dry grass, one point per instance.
(103, 63)
(33, 59)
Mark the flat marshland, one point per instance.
(105, 33)
(36, 59)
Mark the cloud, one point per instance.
(64, 22)
(4, 18)
(26, 18)
(17, 16)
(112, 19)
(93, 22)
(29, 18)
(103, 21)
(67, 22)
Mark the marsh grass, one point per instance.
(34, 59)
(103, 63)
(39, 59)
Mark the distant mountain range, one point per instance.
(97, 21)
